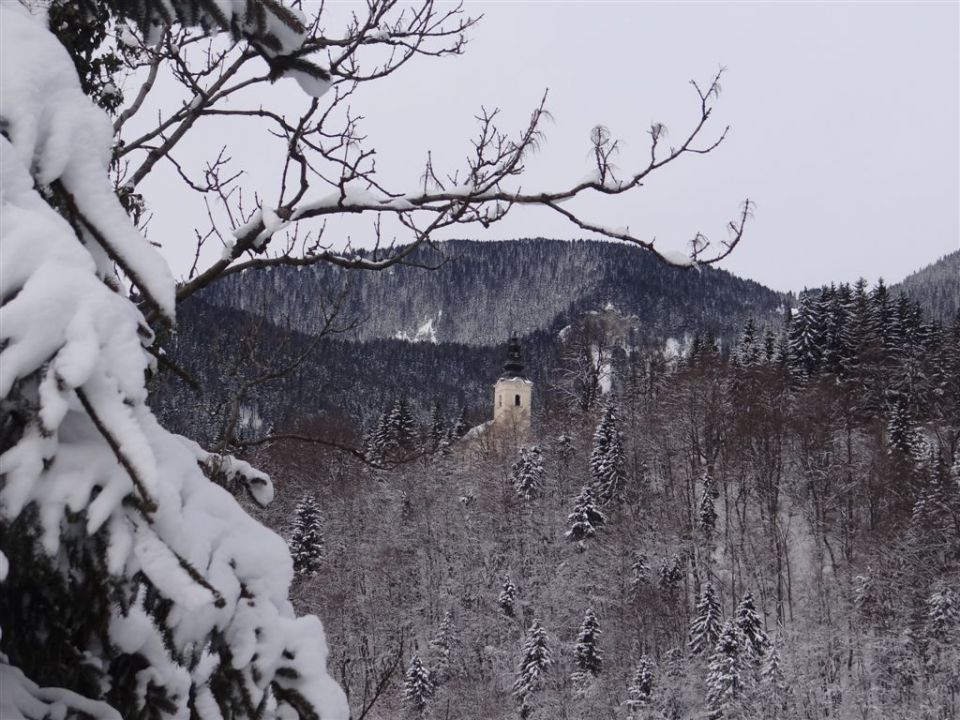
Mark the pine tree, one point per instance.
(588, 658)
(943, 615)
(671, 573)
(749, 351)
(400, 424)
(507, 599)
(418, 687)
(586, 518)
(534, 663)
(437, 431)
(641, 574)
(773, 684)
(640, 689)
(307, 542)
(706, 512)
(725, 681)
(705, 628)
(901, 436)
(440, 646)
(527, 473)
(607, 463)
(805, 348)
(750, 625)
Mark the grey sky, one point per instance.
(844, 120)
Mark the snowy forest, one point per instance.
(270, 488)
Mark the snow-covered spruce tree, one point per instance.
(670, 573)
(418, 687)
(640, 577)
(773, 685)
(440, 647)
(527, 473)
(727, 676)
(706, 624)
(507, 599)
(586, 518)
(306, 542)
(640, 689)
(534, 663)
(587, 655)
(749, 623)
(706, 511)
(607, 462)
(129, 577)
(437, 431)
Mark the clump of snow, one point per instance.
(676, 257)
(72, 347)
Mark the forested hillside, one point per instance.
(480, 292)
(774, 535)
(936, 287)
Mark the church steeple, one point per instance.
(513, 367)
(513, 396)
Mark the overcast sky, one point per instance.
(844, 122)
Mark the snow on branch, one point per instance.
(187, 581)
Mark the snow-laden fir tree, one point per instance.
(706, 512)
(670, 573)
(534, 662)
(640, 689)
(640, 574)
(437, 430)
(728, 674)
(607, 463)
(706, 625)
(901, 436)
(774, 688)
(306, 541)
(587, 655)
(418, 687)
(139, 585)
(586, 518)
(805, 348)
(440, 647)
(400, 425)
(527, 473)
(943, 614)
(507, 599)
(750, 624)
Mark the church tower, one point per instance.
(513, 394)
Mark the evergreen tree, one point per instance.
(749, 350)
(534, 663)
(306, 542)
(588, 658)
(400, 424)
(750, 625)
(437, 431)
(671, 573)
(773, 683)
(440, 646)
(943, 615)
(805, 349)
(640, 689)
(607, 463)
(507, 599)
(901, 436)
(527, 473)
(586, 518)
(705, 628)
(418, 687)
(725, 681)
(641, 574)
(706, 512)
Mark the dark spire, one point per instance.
(513, 367)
